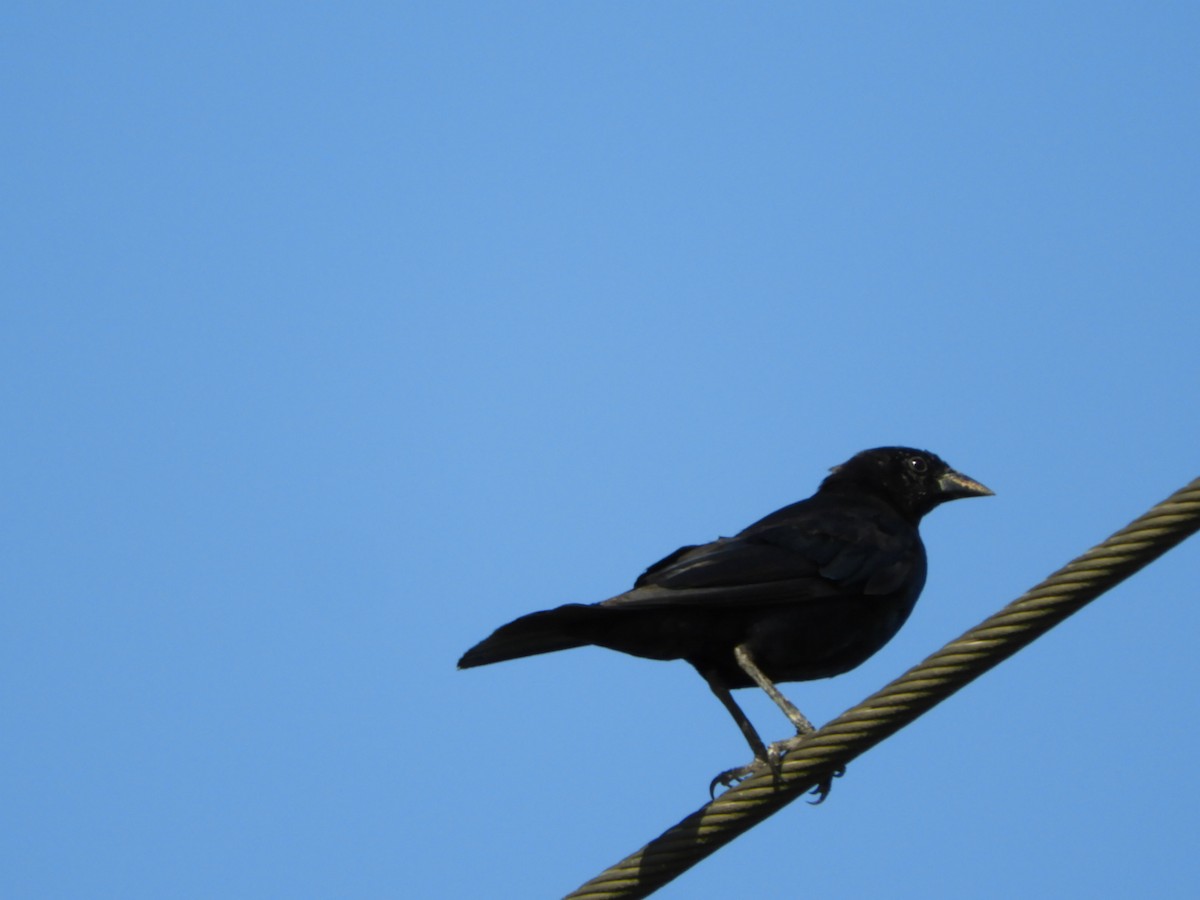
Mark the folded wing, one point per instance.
(814, 555)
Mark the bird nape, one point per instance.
(811, 591)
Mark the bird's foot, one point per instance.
(731, 777)
(774, 764)
(821, 791)
(777, 751)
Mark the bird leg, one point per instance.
(797, 718)
(771, 756)
(803, 726)
(761, 755)
(726, 698)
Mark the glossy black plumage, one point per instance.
(809, 591)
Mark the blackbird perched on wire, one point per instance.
(811, 591)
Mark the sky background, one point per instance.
(334, 336)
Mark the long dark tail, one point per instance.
(539, 632)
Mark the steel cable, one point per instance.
(814, 759)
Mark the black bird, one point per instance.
(811, 591)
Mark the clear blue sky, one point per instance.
(334, 336)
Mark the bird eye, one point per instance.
(917, 464)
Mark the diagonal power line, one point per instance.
(815, 757)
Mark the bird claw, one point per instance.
(731, 777)
(779, 749)
(821, 791)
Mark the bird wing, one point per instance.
(811, 554)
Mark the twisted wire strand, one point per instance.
(814, 758)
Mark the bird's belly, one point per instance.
(800, 645)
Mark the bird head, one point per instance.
(913, 481)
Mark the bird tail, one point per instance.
(539, 632)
